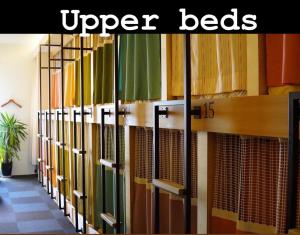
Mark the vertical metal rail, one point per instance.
(75, 169)
(47, 151)
(293, 155)
(40, 118)
(116, 136)
(178, 190)
(63, 124)
(39, 153)
(58, 157)
(50, 115)
(187, 181)
(82, 133)
(107, 218)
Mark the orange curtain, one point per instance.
(171, 168)
(250, 185)
(283, 62)
(55, 90)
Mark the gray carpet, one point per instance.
(25, 207)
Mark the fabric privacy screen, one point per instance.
(171, 168)
(283, 62)
(218, 63)
(109, 180)
(55, 89)
(69, 85)
(250, 185)
(103, 71)
(87, 80)
(139, 67)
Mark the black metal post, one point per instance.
(75, 170)
(102, 133)
(187, 137)
(293, 155)
(82, 132)
(58, 158)
(47, 152)
(63, 123)
(116, 136)
(50, 115)
(155, 170)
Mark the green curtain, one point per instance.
(139, 67)
(109, 181)
(87, 80)
(103, 74)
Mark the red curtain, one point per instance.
(283, 59)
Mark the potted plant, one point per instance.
(12, 132)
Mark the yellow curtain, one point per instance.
(218, 63)
(69, 85)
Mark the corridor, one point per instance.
(25, 207)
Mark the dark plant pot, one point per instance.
(6, 168)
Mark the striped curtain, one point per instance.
(55, 90)
(283, 53)
(69, 85)
(171, 168)
(139, 67)
(109, 179)
(86, 78)
(218, 64)
(250, 185)
(103, 71)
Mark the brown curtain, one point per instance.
(171, 168)
(250, 185)
(219, 64)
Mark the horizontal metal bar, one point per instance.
(49, 168)
(60, 178)
(59, 144)
(47, 138)
(79, 194)
(78, 151)
(109, 219)
(108, 163)
(78, 48)
(63, 59)
(51, 45)
(168, 186)
(51, 67)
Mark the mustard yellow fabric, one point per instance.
(87, 80)
(218, 63)
(69, 98)
(283, 90)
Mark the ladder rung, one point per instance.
(39, 160)
(108, 163)
(59, 144)
(49, 168)
(78, 151)
(168, 186)
(60, 178)
(109, 219)
(78, 194)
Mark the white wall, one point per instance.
(17, 76)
